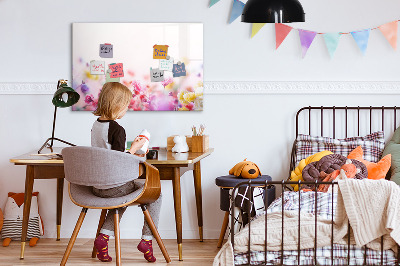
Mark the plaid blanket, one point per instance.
(323, 205)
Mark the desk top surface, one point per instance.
(164, 157)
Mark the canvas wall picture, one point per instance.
(161, 63)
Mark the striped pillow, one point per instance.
(372, 145)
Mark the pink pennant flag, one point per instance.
(306, 39)
(281, 31)
(389, 30)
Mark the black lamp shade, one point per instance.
(273, 11)
(73, 96)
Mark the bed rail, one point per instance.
(265, 185)
(352, 120)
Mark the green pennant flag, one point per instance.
(256, 27)
(213, 2)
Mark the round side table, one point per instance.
(226, 183)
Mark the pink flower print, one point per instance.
(137, 87)
(89, 99)
(190, 106)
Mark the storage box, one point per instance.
(200, 143)
(171, 143)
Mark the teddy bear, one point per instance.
(245, 169)
(180, 144)
(13, 215)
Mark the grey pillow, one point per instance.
(393, 148)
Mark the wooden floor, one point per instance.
(50, 252)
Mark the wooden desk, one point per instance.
(171, 167)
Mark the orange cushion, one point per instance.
(375, 170)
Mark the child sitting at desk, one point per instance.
(106, 133)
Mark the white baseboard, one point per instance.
(250, 87)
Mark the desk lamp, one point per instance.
(63, 97)
(273, 11)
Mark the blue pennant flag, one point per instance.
(237, 9)
(361, 37)
(332, 41)
(213, 2)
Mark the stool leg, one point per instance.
(101, 222)
(223, 229)
(117, 239)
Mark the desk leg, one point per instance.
(199, 204)
(27, 206)
(176, 182)
(60, 190)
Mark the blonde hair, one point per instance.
(113, 97)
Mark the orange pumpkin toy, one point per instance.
(245, 169)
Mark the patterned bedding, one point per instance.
(306, 202)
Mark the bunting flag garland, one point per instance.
(332, 41)
(237, 8)
(306, 39)
(213, 2)
(281, 31)
(361, 37)
(389, 30)
(256, 27)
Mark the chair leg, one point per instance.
(154, 230)
(73, 237)
(117, 239)
(223, 229)
(101, 222)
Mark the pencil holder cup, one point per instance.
(200, 143)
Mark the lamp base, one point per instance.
(50, 146)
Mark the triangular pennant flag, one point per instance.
(306, 39)
(237, 9)
(390, 32)
(213, 2)
(281, 31)
(361, 37)
(256, 27)
(332, 41)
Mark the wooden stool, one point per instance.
(226, 183)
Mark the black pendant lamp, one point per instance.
(273, 11)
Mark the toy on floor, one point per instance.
(245, 169)
(13, 215)
(1, 219)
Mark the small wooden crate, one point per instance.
(171, 143)
(200, 143)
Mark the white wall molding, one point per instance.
(28, 88)
(251, 87)
(303, 87)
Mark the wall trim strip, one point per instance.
(243, 87)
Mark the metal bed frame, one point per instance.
(284, 183)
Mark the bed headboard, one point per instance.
(344, 121)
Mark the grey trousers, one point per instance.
(154, 208)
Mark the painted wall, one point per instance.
(36, 47)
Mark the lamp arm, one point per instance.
(54, 126)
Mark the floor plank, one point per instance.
(50, 252)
